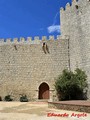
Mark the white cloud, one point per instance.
(54, 28)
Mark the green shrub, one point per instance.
(23, 98)
(8, 98)
(71, 85)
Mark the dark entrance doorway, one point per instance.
(44, 91)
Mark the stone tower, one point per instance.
(75, 23)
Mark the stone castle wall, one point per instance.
(75, 23)
(24, 65)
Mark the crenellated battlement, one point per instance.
(74, 3)
(68, 5)
(29, 40)
(73, 15)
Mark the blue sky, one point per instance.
(24, 18)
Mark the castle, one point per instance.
(31, 66)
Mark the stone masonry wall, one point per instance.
(75, 23)
(24, 65)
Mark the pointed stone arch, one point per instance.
(44, 92)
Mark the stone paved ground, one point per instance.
(34, 111)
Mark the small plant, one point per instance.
(23, 98)
(8, 98)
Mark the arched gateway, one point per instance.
(44, 91)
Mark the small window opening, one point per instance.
(76, 6)
(45, 48)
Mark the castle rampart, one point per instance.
(29, 40)
(25, 64)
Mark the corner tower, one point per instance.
(75, 23)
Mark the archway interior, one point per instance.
(44, 91)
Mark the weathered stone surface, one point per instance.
(81, 106)
(23, 67)
(24, 64)
(75, 23)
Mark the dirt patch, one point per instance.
(33, 111)
(39, 110)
